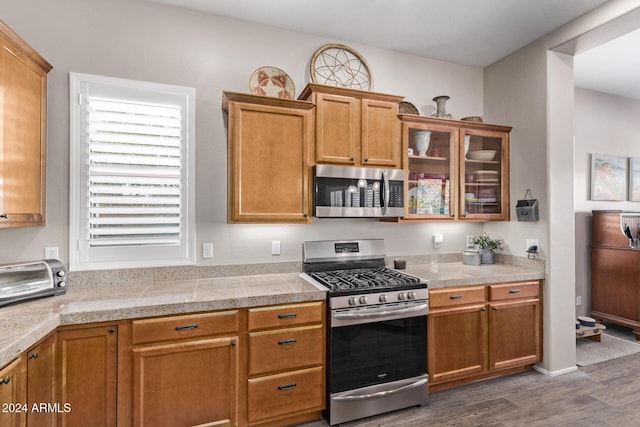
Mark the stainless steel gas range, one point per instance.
(377, 335)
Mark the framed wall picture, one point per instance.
(608, 177)
(634, 179)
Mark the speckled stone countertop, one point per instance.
(458, 274)
(22, 325)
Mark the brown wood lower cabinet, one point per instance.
(186, 384)
(279, 395)
(41, 380)
(186, 371)
(13, 394)
(285, 369)
(86, 376)
(482, 331)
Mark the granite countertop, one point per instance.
(22, 325)
(458, 274)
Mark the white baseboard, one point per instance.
(555, 373)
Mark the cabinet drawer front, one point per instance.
(188, 326)
(446, 297)
(514, 290)
(282, 349)
(284, 394)
(282, 316)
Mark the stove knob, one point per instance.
(411, 295)
(353, 301)
(401, 296)
(383, 298)
(363, 300)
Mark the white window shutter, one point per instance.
(133, 199)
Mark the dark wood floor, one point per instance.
(604, 394)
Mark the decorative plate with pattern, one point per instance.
(342, 66)
(407, 108)
(272, 81)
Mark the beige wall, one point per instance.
(605, 124)
(542, 82)
(147, 41)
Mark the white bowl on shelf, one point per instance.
(481, 155)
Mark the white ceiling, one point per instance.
(469, 32)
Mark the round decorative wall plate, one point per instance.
(272, 81)
(342, 66)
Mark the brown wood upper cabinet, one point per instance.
(446, 178)
(268, 165)
(354, 127)
(23, 106)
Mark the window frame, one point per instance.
(81, 256)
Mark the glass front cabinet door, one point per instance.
(455, 170)
(484, 175)
(432, 155)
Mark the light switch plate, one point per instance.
(275, 247)
(207, 250)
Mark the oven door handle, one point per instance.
(381, 393)
(380, 313)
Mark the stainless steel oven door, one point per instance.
(373, 346)
(377, 359)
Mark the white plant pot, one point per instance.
(422, 138)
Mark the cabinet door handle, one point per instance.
(33, 355)
(455, 297)
(186, 327)
(4, 216)
(483, 309)
(514, 291)
(287, 315)
(112, 330)
(287, 386)
(352, 159)
(286, 342)
(494, 308)
(366, 160)
(5, 380)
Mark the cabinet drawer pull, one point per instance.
(455, 297)
(514, 291)
(33, 355)
(287, 386)
(287, 316)
(5, 380)
(290, 341)
(186, 327)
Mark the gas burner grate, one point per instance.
(364, 279)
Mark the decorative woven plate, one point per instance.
(272, 81)
(407, 108)
(342, 66)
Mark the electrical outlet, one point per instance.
(207, 250)
(275, 247)
(578, 301)
(533, 242)
(51, 252)
(470, 243)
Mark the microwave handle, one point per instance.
(385, 192)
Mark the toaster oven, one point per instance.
(34, 279)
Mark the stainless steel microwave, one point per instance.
(355, 192)
(29, 280)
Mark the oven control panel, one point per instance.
(372, 299)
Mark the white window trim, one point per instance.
(134, 257)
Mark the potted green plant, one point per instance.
(487, 246)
